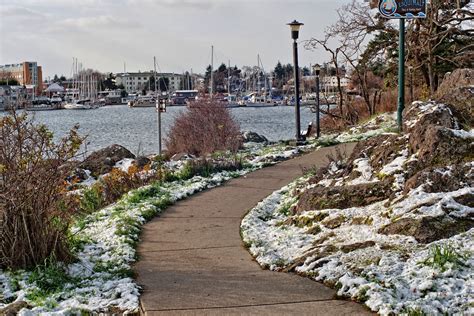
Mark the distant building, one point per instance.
(329, 83)
(26, 73)
(137, 81)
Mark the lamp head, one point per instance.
(295, 29)
(317, 69)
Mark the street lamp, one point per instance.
(295, 29)
(317, 70)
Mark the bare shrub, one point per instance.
(35, 209)
(204, 128)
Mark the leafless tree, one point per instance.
(441, 42)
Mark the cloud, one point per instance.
(104, 21)
(15, 11)
(177, 4)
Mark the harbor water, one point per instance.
(136, 128)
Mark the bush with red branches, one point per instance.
(205, 127)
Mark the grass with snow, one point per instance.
(105, 241)
(345, 249)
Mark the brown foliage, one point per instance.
(35, 210)
(204, 128)
(356, 110)
(118, 182)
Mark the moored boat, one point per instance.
(142, 102)
(84, 104)
(41, 104)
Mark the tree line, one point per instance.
(436, 45)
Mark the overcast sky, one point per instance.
(104, 34)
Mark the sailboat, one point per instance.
(256, 98)
(87, 87)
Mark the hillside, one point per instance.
(390, 226)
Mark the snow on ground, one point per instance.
(397, 164)
(345, 248)
(366, 172)
(388, 274)
(90, 179)
(462, 134)
(100, 279)
(124, 164)
(424, 108)
(378, 125)
(104, 262)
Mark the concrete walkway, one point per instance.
(192, 261)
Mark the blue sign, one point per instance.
(403, 9)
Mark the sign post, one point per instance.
(401, 75)
(402, 9)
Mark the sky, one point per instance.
(105, 34)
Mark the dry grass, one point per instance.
(356, 111)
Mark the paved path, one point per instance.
(192, 261)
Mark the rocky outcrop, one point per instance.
(436, 179)
(13, 308)
(252, 137)
(357, 245)
(442, 147)
(419, 117)
(428, 229)
(102, 161)
(320, 198)
(457, 90)
(381, 149)
(452, 81)
(141, 161)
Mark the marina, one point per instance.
(136, 128)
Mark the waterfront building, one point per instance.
(135, 82)
(26, 73)
(329, 83)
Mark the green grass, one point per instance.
(327, 142)
(362, 295)
(77, 242)
(49, 278)
(285, 209)
(139, 195)
(441, 256)
(92, 200)
(414, 312)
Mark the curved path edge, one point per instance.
(192, 260)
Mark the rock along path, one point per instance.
(192, 260)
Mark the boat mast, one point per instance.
(258, 75)
(157, 100)
(212, 70)
(228, 79)
(264, 79)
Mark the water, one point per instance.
(136, 128)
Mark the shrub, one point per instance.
(92, 199)
(118, 182)
(35, 209)
(204, 128)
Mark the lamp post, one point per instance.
(317, 70)
(295, 29)
(158, 111)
